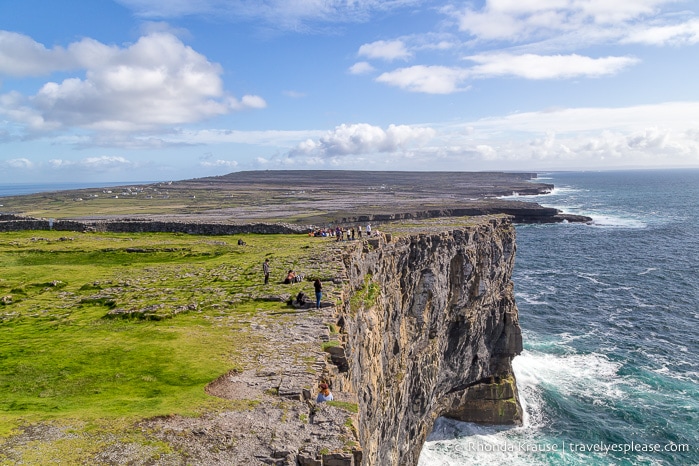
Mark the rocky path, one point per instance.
(277, 423)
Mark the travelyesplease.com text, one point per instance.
(599, 447)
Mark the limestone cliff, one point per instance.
(431, 328)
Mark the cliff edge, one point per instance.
(431, 328)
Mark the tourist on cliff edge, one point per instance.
(324, 394)
(319, 291)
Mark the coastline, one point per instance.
(302, 198)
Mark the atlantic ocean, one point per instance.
(610, 318)
(18, 189)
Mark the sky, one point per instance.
(157, 90)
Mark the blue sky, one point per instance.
(146, 90)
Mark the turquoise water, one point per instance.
(610, 314)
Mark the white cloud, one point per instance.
(20, 55)
(446, 80)
(94, 164)
(295, 94)
(20, 163)
(681, 115)
(532, 39)
(282, 14)
(275, 138)
(519, 20)
(156, 81)
(218, 163)
(362, 138)
(385, 50)
(427, 79)
(686, 33)
(248, 101)
(361, 67)
(662, 135)
(532, 66)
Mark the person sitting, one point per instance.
(290, 277)
(324, 394)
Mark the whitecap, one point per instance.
(530, 299)
(591, 277)
(556, 191)
(590, 375)
(454, 443)
(614, 221)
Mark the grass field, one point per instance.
(125, 326)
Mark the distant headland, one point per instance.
(300, 198)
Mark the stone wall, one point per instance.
(431, 328)
(18, 223)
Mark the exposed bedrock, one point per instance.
(431, 328)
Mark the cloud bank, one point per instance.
(278, 14)
(157, 81)
(527, 39)
(363, 139)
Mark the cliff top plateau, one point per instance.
(301, 197)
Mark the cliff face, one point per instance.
(431, 328)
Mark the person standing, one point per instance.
(368, 230)
(319, 291)
(265, 270)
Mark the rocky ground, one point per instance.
(304, 197)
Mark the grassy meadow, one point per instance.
(126, 326)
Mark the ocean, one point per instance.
(17, 189)
(609, 374)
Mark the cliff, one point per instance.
(431, 328)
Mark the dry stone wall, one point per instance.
(10, 222)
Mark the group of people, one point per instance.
(340, 233)
(293, 277)
(324, 393)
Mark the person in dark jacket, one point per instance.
(319, 291)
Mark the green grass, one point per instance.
(366, 296)
(349, 407)
(329, 344)
(187, 298)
